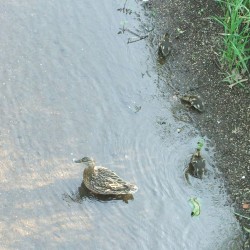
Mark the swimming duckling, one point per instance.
(196, 167)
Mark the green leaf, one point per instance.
(196, 207)
(200, 144)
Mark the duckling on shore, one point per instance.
(193, 101)
(164, 46)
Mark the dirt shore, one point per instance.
(194, 39)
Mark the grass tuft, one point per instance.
(235, 52)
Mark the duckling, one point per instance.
(101, 180)
(196, 166)
(193, 101)
(164, 46)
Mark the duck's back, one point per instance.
(102, 180)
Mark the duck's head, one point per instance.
(90, 162)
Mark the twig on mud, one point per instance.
(135, 34)
(124, 6)
(237, 82)
(130, 31)
(242, 216)
(190, 117)
(140, 38)
(217, 63)
(124, 9)
(170, 85)
(200, 86)
(130, 39)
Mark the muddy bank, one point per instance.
(194, 39)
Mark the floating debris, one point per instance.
(137, 108)
(196, 207)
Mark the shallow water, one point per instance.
(70, 86)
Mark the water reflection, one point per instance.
(83, 193)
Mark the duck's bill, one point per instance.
(77, 161)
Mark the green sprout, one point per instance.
(123, 23)
(200, 144)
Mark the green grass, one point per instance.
(235, 52)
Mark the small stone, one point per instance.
(245, 205)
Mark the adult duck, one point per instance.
(101, 180)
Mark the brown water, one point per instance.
(70, 86)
